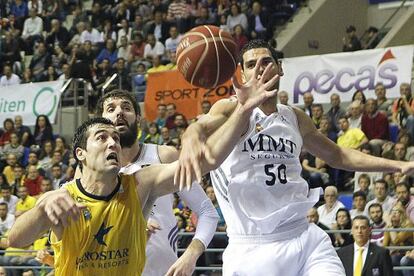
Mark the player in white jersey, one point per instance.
(263, 198)
(163, 243)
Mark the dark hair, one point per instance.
(120, 94)
(404, 184)
(254, 44)
(383, 182)
(4, 204)
(5, 186)
(359, 194)
(8, 120)
(349, 224)
(317, 105)
(375, 205)
(366, 147)
(81, 134)
(361, 217)
(364, 99)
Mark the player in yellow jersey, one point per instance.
(97, 224)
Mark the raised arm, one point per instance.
(342, 158)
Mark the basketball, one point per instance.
(206, 56)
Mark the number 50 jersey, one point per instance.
(259, 186)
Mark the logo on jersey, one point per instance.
(263, 146)
(258, 127)
(99, 237)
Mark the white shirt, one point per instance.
(11, 203)
(355, 212)
(6, 225)
(94, 36)
(32, 26)
(14, 79)
(172, 43)
(364, 254)
(329, 217)
(158, 50)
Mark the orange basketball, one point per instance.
(206, 56)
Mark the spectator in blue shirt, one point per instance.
(109, 52)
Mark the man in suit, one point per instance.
(363, 258)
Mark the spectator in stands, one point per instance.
(66, 72)
(205, 106)
(399, 152)
(8, 198)
(23, 132)
(124, 49)
(6, 219)
(41, 61)
(124, 79)
(19, 178)
(375, 126)
(335, 112)
(173, 40)
(28, 76)
(157, 66)
(376, 216)
(313, 217)
(122, 10)
(355, 114)
(171, 112)
(236, 17)
(258, 22)
(58, 35)
(359, 200)
(50, 10)
(49, 75)
(172, 55)
(325, 129)
(343, 222)
(239, 37)
(205, 17)
(327, 211)
(45, 186)
(359, 96)
(25, 203)
(351, 41)
(314, 171)
(404, 138)
(8, 129)
(158, 27)
(33, 180)
(62, 147)
(138, 23)
(9, 78)
(153, 48)
(91, 34)
(178, 14)
(10, 51)
(56, 160)
(372, 38)
(384, 104)
(32, 30)
(8, 171)
(317, 113)
(223, 23)
(59, 57)
(103, 73)
(20, 11)
(307, 103)
(76, 37)
(153, 136)
(46, 153)
(398, 238)
(403, 109)
(180, 124)
(161, 115)
(381, 196)
(43, 130)
(125, 30)
(283, 97)
(13, 147)
(79, 15)
(109, 52)
(137, 49)
(402, 192)
(34, 160)
(57, 177)
(166, 138)
(352, 138)
(364, 185)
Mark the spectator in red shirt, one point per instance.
(33, 181)
(375, 126)
(8, 126)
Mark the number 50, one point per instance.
(281, 174)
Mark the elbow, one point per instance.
(13, 240)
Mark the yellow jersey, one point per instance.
(108, 239)
(25, 205)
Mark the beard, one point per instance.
(128, 137)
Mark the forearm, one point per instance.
(354, 160)
(194, 250)
(28, 227)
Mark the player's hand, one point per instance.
(408, 168)
(44, 257)
(152, 228)
(58, 205)
(259, 88)
(184, 266)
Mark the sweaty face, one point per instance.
(121, 112)
(251, 57)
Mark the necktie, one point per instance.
(358, 266)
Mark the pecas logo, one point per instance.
(346, 79)
(43, 95)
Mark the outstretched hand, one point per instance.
(258, 89)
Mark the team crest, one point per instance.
(258, 127)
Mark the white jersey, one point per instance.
(259, 186)
(161, 249)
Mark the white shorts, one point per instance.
(307, 254)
